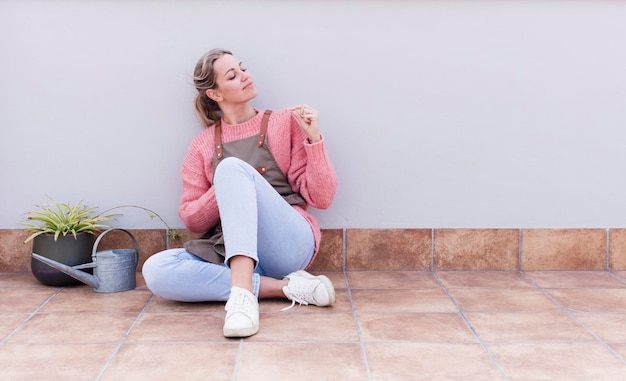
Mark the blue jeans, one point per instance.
(257, 222)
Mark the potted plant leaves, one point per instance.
(64, 233)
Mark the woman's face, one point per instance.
(234, 84)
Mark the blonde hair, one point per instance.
(207, 110)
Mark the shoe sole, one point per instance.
(241, 332)
(325, 281)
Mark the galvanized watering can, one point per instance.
(114, 270)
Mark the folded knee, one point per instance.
(155, 269)
(232, 165)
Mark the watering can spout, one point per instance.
(74, 272)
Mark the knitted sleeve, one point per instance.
(198, 206)
(310, 172)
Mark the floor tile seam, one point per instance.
(357, 324)
(514, 312)
(477, 271)
(586, 287)
(394, 288)
(557, 271)
(22, 288)
(377, 312)
(518, 311)
(451, 342)
(619, 311)
(604, 312)
(617, 277)
(491, 356)
(44, 342)
(237, 361)
(62, 313)
(220, 313)
(520, 251)
(529, 288)
(321, 312)
(489, 288)
(575, 319)
(607, 250)
(176, 342)
(432, 249)
(379, 271)
(111, 311)
(29, 317)
(540, 341)
(471, 312)
(400, 343)
(344, 252)
(396, 312)
(59, 343)
(123, 339)
(309, 342)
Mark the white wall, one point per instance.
(436, 113)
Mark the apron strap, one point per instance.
(218, 139)
(266, 117)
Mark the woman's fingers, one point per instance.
(304, 113)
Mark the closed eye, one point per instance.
(235, 75)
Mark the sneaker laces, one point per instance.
(299, 295)
(293, 303)
(240, 302)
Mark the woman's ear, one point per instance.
(214, 94)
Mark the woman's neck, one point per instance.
(237, 114)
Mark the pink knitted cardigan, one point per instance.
(307, 166)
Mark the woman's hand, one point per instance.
(309, 121)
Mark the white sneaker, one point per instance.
(242, 316)
(305, 288)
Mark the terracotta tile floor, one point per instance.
(385, 326)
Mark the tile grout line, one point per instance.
(471, 327)
(32, 314)
(432, 249)
(344, 249)
(617, 277)
(608, 249)
(237, 360)
(123, 340)
(353, 305)
(519, 250)
(573, 317)
(358, 329)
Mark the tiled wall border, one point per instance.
(408, 249)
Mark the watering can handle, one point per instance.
(95, 245)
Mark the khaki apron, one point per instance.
(254, 151)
